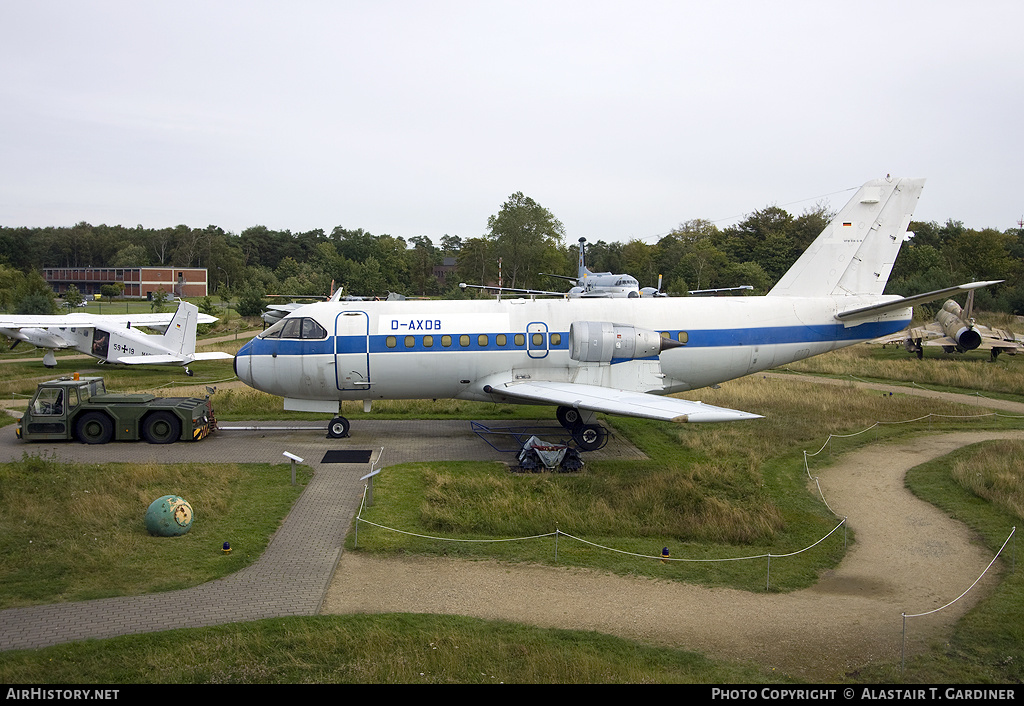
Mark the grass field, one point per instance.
(72, 532)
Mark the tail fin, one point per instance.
(856, 251)
(180, 336)
(582, 270)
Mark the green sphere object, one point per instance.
(169, 516)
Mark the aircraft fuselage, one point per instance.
(456, 349)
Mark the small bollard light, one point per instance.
(295, 459)
(226, 548)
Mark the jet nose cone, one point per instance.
(667, 343)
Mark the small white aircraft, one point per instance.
(112, 338)
(612, 355)
(589, 285)
(604, 284)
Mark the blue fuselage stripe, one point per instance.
(710, 338)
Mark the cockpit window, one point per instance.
(274, 331)
(302, 327)
(311, 329)
(292, 328)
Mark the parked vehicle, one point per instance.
(81, 408)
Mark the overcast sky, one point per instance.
(422, 118)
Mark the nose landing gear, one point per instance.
(338, 428)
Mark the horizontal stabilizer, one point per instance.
(624, 402)
(876, 309)
(170, 358)
(156, 359)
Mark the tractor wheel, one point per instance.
(161, 428)
(94, 428)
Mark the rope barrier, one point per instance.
(189, 383)
(903, 652)
(843, 522)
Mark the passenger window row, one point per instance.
(482, 340)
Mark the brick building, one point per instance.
(139, 282)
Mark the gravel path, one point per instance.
(908, 558)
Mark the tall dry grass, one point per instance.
(970, 371)
(995, 472)
(718, 483)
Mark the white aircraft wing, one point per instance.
(16, 321)
(624, 402)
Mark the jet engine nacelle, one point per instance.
(956, 328)
(602, 342)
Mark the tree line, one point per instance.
(521, 241)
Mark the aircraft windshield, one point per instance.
(300, 327)
(274, 331)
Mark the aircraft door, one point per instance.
(761, 358)
(352, 350)
(537, 339)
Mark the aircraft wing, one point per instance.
(914, 334)
(623, 402)
(988, 342)
(158, 359)
(513, 290)
(17, 321)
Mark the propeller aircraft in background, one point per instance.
(113, 338)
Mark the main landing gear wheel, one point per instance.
(590, 437)
(568, 417)
(338, 428)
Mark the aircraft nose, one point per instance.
(242, 364)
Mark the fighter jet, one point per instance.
(956, 331)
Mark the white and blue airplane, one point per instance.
(621, 356)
